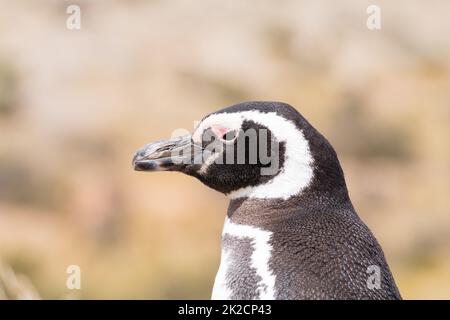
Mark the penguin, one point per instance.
(291, 231)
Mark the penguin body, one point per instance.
(315, 253)
(291, 231)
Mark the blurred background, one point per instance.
(76, 104)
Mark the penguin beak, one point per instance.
(167, 155)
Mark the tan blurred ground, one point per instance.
(74, 106)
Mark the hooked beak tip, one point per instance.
(145, 165)
(139, 163)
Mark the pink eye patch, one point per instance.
(219, 130)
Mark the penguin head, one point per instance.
(252, 149)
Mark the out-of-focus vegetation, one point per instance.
(75, 105)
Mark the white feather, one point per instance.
(220, 290)
(259, 261)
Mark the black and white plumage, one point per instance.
(289, 234)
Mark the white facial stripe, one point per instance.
(297, 171)
(259, 259)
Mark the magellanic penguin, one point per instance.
(291, 231)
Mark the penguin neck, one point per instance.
(264, 213)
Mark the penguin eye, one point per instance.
(229, 136)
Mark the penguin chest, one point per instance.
(244, 271)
